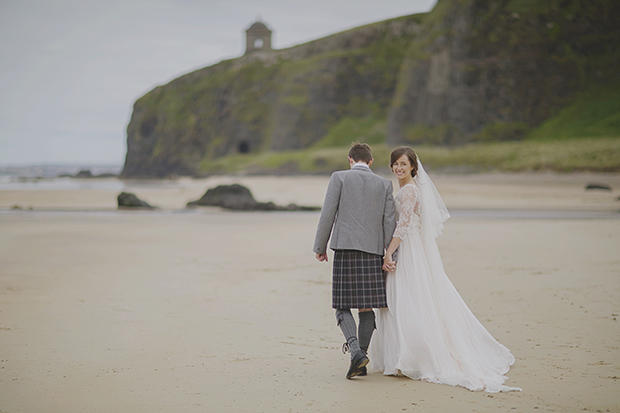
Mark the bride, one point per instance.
(427, 332)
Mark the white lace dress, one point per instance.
(428, 332)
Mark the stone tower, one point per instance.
(258, 37)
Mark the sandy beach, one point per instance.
(207, 310)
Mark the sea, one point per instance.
(50, 177)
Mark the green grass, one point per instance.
(347, 130)
(595, 113)
(585, 136)
(302, 161)
(592, 154)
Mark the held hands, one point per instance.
(322, 257)
(388, 263)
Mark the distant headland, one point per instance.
(468, 71)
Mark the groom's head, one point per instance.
(360, 152)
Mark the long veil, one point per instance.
(433, 211)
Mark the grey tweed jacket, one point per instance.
(359, 207)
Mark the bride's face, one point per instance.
(402, 167)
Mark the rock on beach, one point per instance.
(128, 200)
(238, 197)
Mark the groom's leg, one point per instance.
(346, 322)
(348, 327)
(366, 328)
(364, 332)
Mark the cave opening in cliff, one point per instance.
(243, 147)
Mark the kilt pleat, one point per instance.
(358, 280)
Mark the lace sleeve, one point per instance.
(409, 205)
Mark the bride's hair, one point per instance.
(405, 150)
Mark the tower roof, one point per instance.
(258, 26)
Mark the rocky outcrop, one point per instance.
(468, 70)
(84, 173)
(604, 187)
(238, 197)
(87, 174)
(128, 200)
(488, 70)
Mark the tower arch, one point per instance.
(258, 38)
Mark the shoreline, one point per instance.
(493, 191)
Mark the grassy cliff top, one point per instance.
(589, 154)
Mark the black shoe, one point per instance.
(364, 372)
(358, 362)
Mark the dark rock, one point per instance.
(239, 198)
(603, 187)
(129, 200)
(21, 208)
(228, 196)
(84, 173)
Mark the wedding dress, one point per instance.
(428, 332)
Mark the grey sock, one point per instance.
(366, 328)
(349, 329)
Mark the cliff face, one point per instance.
(469, 70)
(285, 99)
(492, 70)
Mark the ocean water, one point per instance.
(46, 178)
(8, 183)
(52, 171)
(51, 184)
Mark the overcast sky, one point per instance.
(70, 70)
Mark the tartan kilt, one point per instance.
(358, 280)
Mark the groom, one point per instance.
(358, 212)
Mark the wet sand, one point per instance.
(211, 310)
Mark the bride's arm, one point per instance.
(409, 206)
(388, 263)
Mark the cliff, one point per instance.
(469, 70)
(278, 100)
(494, 70)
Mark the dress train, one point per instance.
(428, 332)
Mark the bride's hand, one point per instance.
(388, 263)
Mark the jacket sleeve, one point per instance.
(389, 216)
(328, 214)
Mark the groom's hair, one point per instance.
(360, 152)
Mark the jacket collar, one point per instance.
(361, 168)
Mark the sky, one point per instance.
(70, 70)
